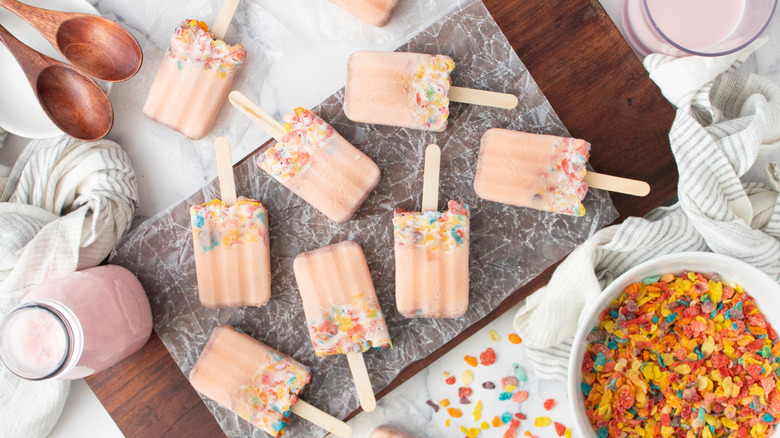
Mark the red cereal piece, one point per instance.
(450, 380)
(512, 430)
(520, 416)
(464, 392)
(625, 399)
(487, 357)
(520, 396)
(471, 360)
(560, 429)
(549, 404)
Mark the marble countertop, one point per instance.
(283, 81)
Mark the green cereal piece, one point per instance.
(651, 280)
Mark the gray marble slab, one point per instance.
(509, 245)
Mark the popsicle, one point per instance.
(230, 236)
(544, 172)
(312, 160)
(195, 76)
(374, 12)
(342, 311)
(256, 382)
(386, 431)
(432, 253)
(410, 90)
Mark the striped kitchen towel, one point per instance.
(724, 120)
(63, 206)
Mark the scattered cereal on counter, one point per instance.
(489, 385)
(484, 425)
(560, 429)
(520, 416)
(494, 337)
(487, 357)
(446, 374)
(447, 423)
(511, 432)
(496, 421)
(470, 432)
(467, 377)
(433, 405)
(505, 396)
(464, 391)
(542, 421)
(455, 412)
(477, 411)
(444, 403)
(520, 396)
(471, 360)
(506, 417)
(450, 380)
(509, 383)
(520, 373)
(567, 434)
(549, 404)
(515, 339)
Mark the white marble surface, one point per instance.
(169, 168)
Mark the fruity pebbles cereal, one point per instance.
(688, 356)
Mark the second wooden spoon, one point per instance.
(95, 45)
(71, 99)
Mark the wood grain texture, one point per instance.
(601, 92)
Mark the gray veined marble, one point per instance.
(509, 245)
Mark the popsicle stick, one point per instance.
(430, 197)
(322, 419)
(616, 184)
(260, 117)
(227, 184)
(360, 375)
(224, 17)
(482, 97)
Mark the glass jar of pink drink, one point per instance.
(76, 325)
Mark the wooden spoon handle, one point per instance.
(430, 197)
(260, 117)
(44, 21)
(616, 184)
(322, 419)
(31, 61)
(362, 382)
(482, 97)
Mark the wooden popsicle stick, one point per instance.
(227, 184)
(482, 97)
(260, 117)
(430, 197)
(360, 375)
(616, 184)
(224, 17)
(322, 419)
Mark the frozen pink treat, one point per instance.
(544, 172)
(193, 80)
(385, 431)
(374, 12)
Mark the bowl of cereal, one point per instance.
(680, 345)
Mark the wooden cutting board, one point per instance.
(601, 92)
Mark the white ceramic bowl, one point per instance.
(765, 291)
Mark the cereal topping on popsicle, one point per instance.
(267, 400)
(193, 42)
(429, 92)
(567, 191)
(353, 327)
(305, 133)
(435, 230)
(215, 224)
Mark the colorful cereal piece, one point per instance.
(560, 429)
(512, 429)
(515, 339)
(494, 337)
(467, 377)
(455, 412)
(471, 360)
(432, 405)
(549, 404)
(542, 421)
(487, 357)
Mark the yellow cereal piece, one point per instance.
(467, 377)
(667, 431)
(444, 403)
(510, 388)
(447, 423)
(567, 433)
(731, 424)
(493, 336)
(477, 411)
(484, 425)
(473, 432)
(542, 421)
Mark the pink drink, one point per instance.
(75, 325)
(703, 27)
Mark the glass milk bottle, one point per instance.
(76, 325)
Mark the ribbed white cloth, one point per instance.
(63, 207)
(724, 118)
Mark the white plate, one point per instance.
(764, 290)
(20, 112)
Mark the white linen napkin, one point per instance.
(63, 207)
(724, 119)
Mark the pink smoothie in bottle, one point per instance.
(703, 27)
(75, 325)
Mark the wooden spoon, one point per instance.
(71, 99)
(95, 45)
